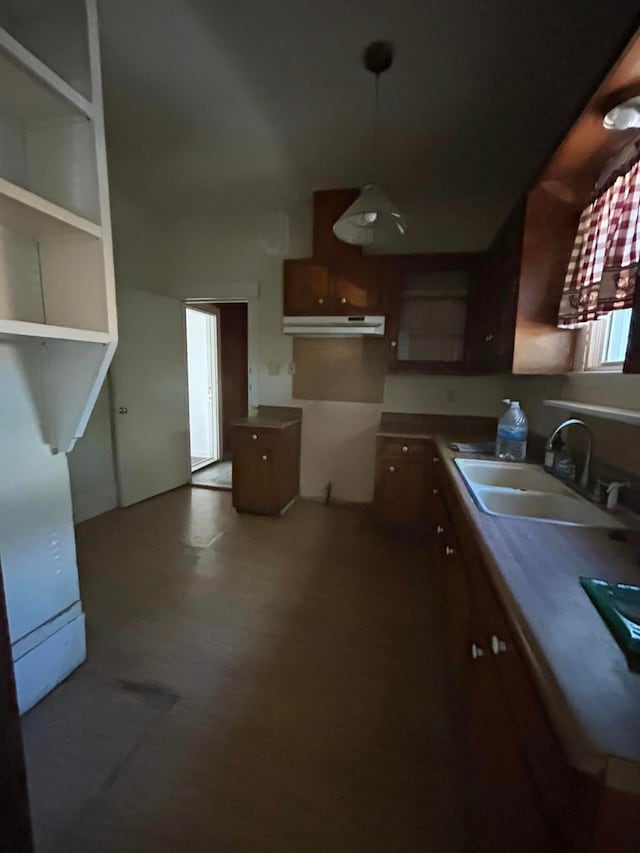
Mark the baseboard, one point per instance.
(47, 664)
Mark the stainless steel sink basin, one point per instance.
(527, 491)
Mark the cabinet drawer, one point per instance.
(407, 447)
(260, 439)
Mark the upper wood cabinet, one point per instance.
(306, 288)
(351, 287)
(494, 301)
(429, 322)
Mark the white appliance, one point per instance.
(334, 327)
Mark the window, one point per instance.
(602, 344)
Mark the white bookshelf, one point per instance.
(18, 330)
(57, 286)
(32, 90)
(22, 210)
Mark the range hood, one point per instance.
(334, 327)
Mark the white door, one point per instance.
(149, 395)
(202, 371)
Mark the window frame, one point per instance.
(592, 344)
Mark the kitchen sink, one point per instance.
(510, 475)
(527, 491)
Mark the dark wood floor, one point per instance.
(253, 684)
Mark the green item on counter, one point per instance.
(619, 606)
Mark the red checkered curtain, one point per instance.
(602, 272)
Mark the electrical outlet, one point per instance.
(273, 368)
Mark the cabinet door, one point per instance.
(494, 302)
(306, 289)
(358, 287)
(403, 493)
(547, 766)
(253, 481)
(505, 813)
(429, 319)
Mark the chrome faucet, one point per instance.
(584, 479)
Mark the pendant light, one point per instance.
(372, 215)
(624, 116)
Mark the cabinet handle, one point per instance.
(405, 449)
(265, 457)
(436, 491)
(344, 300)
(439, 529)
(392, 468)
(394, 343)
(436, 458)
(497, 645)
(488, 338)
(449, 551)
(123, 410)
(321, 300)
(254, 437)
(476, 651)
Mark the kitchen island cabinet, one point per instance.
(266, 461)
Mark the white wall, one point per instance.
(37, 545)
(139, 255)
(91, 465)
(614, 443)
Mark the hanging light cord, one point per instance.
(374, 136)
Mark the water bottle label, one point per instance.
(512, 433)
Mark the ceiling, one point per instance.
(221, 105)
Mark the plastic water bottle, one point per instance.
(513, 429)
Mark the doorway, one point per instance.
(203, 386)
(230, 388)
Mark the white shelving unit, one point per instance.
(610, 413)
(57, 288)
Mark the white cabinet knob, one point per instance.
(392, 468)
(488, 338)
(439, 529)
(344, 300)
(394, 343)
(321, 300)
(476, 651)
(405, 449)
(254, 437)
(436, 458)
(264, 458)
(436, 491)
(449, 551)
(497, 645)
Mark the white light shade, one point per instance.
(625, 116)
(372, 216)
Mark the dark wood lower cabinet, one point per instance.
(266, 468)
(404, 496)
(526, 795)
